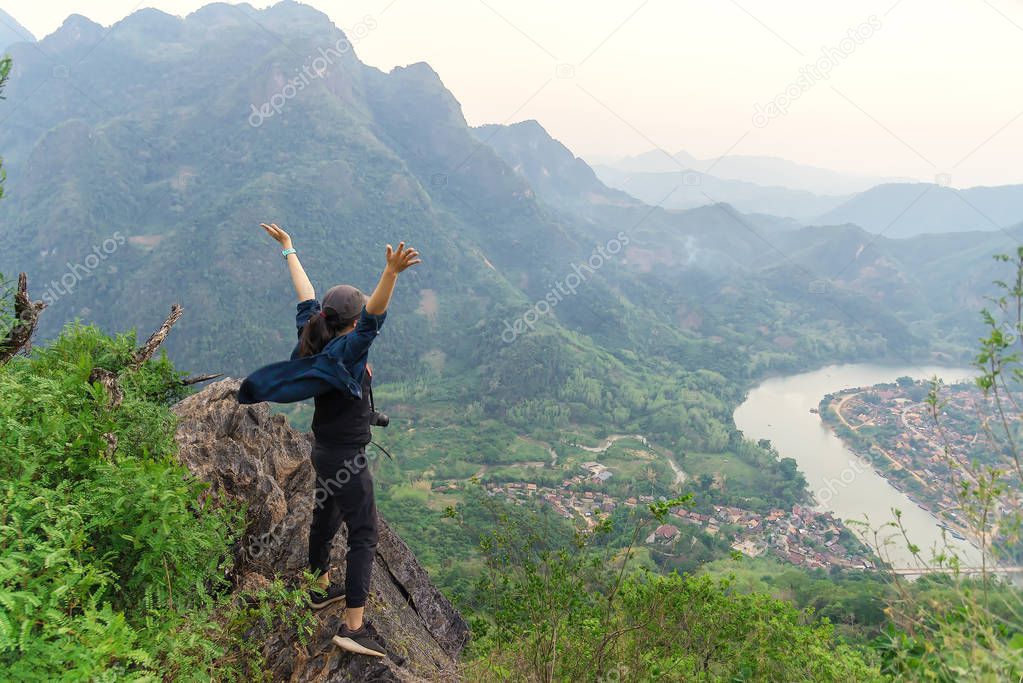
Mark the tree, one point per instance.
(789, 469)
(581, 611)
(977, 632)
(17, 322)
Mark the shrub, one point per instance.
(112, 556)
(572, 612)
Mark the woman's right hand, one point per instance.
(283, 238)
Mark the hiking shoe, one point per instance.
(321, 597)
(361, 641)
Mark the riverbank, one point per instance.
(893, 426)
(841, 481)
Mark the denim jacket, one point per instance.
(340, 366)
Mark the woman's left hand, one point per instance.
(400, 259)
(275, 231)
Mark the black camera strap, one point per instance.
(386, 452)
(373, 409)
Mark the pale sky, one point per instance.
(930, 87)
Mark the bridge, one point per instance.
(921, 571)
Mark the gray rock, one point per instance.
(256, 458)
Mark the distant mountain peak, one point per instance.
(152, 11)
(550, 167)
(78, 22)
(294, 9)
(532, 125)
(218, 13)
(75, 31)
(153, 23)
(417, 70)
(293, 15)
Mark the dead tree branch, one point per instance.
(146, 351)
(189, 381)
(26, 315)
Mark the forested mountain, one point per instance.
(546, 297)
(174, 180)
(558, 176)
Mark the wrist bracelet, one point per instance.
(288, 252)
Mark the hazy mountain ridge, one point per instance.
(761, 170)
(904, 209)
(812, 195)
(12, 32)
(897, 274)
(683, 189)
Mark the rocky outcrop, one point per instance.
(252, 456)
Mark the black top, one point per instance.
(341, 420)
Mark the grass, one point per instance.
(735, 471)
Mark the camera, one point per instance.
(378, 419)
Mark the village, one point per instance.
(893, 425)
(801, 536)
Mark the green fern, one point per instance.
(109, 567)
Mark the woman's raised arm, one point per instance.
(303, 287)
(397, 262)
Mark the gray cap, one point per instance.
(346, 300)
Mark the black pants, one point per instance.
(344, 493)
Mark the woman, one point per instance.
(330, 363)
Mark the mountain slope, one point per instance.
(180, 186)
(904, 209)
(155, 198)
(556, 174)
(12, 32)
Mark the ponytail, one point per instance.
(319, 330)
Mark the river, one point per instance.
(843, 483)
